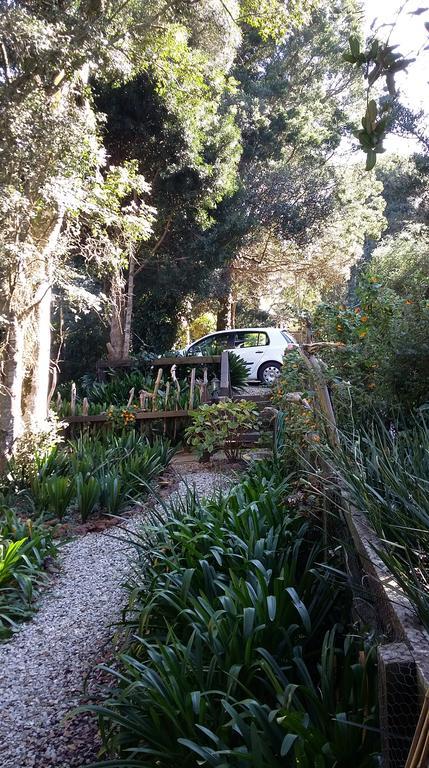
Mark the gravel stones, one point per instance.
(44, 666)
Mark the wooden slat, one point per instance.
(225, 383)
(139, 416)
(190, 360)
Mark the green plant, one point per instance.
(236, 650)
(33, 449)
(382, 361)
(238, 371)
(220, 427)
(87, 495)
(111, 493)
(24, 545)
(59, 492)
(298, 424)
(385, 471)
(120, 466)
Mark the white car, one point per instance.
(261, 348)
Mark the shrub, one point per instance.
(59, 493)
(293, 395)
(238, 371)
(220, 427)
(33, 448)
(385, 360)
(88, 492)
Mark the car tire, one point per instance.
(269, 373)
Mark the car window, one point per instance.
(251, 339)
(212, 345)
(287, 337)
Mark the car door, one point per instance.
(252, 346)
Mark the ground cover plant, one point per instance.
(240, 650)
(386, 471)
(102, 471)
(24, 549)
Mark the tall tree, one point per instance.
(51, 153)
(295, 104)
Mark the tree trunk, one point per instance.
(12, 374)
(36, 407)
(226, 313)
(116, 343)
(233, 313)
(129, 308)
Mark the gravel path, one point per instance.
(44, 666)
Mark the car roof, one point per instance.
(237, 330)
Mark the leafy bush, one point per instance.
(293, 394)
(220, 426)
(88, 492)
(237, 654)
(385, 360)
(23, 549)
(33, 447)
(59, 493)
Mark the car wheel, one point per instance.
(269, 373)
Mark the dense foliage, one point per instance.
(386, 475)
(385, 360)
(238, 651)
(25, 548)
(102, 472)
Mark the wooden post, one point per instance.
(85, 407)
(225, 380)
(73, 399)
(397, 682)
(142, 398)
(176, 383)
(167, 393)
(323, 396)
(131, 397)
(419, 752)
(155, 389)
(204, 388)
(192, 389)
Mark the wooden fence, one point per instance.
(149, 411)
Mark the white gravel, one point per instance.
(44, 666)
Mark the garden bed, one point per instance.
(45, 665)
